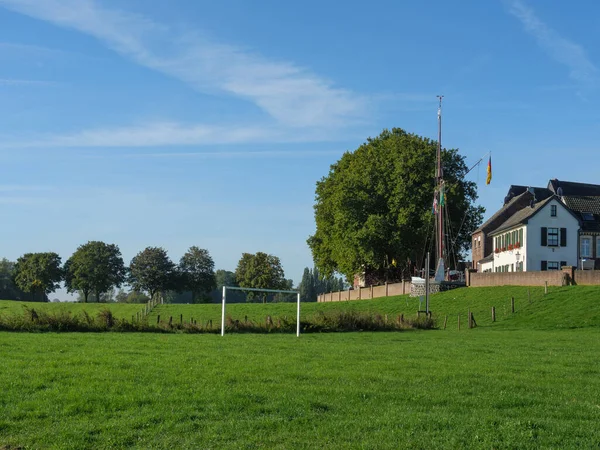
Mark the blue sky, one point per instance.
(208, 123)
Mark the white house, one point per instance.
(543, 236)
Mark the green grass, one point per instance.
(120, 310)
(475, 389)
(530, 380)
(562, 307)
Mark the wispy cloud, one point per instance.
(564, 51)
(235, 154)
(23, 188)
(294, 96)
(20, 82)
(164, 134)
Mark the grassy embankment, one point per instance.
(531, 380)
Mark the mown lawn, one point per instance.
(481, 388)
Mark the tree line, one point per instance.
(96, 269)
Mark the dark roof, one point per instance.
(571, 188)
(585, 204)
(488, 258)
(522, 215)
(500, 216)
(516, 189)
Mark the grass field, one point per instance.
(120, 310)
(531, 380)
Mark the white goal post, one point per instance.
(275, 291)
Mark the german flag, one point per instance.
(489, 171)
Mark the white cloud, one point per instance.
(18, 82)
(564, 51)
(292, 95)
(157, 134)
(23, 188)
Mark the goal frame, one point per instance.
(276, 291)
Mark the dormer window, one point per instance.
(552, 210)
(588, 216)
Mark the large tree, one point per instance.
(8, 290)
(151, 271)
(260, 271)
(225, 278)
(38, 273)
(95, 267)
(373, 210)
(197, 269)
(312, 284)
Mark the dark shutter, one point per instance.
(563, 264)
(563, 237)
(544, 237)
(544, 265)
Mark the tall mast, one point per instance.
(439, 182)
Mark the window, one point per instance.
(552, 210)
(586, 247)
(587, 216)
(552, 237)
(553, 265)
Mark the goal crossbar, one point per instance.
(277, 291)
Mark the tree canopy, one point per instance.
(95, 267)
(39, 273)
(151, 271)
(313, 284)
(260, 271)
(225, 278)
(8, 290)
(197, 269)
(373, 210)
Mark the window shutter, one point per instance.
(563, 264)
(563, 237)
(521, 237)
(544, 238)
(544, 265)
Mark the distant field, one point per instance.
(562, 307)
(424, 389)
(120, 310)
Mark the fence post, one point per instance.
(371, 292)
(493, 313)
(157, 319)
(469, 325)
(512, 305)
(339, 296)
(359, 293)
(545, 287)
(445, 322)
(386, 289)
(181, 319)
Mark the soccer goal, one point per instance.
(264, 291)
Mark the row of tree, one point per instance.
(96, 269)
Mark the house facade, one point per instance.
(559, 226)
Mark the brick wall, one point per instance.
(367, 292)
(477, 251)
(553, 277)
(477, 279)
(586, 277)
